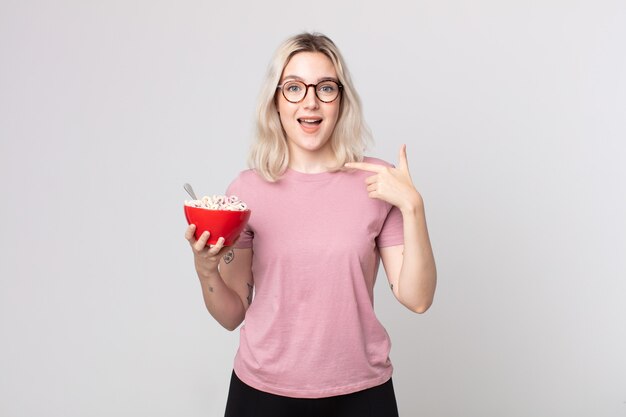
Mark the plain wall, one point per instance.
(514, 117)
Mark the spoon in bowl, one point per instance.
(189, 190)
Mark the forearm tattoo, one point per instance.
(391, 287)
(249, 297)
(230, 255)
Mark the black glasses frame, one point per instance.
(306, 91)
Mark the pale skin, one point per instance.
(226, 287)
(226, 274)
(410, 267)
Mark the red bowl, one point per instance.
(220, 223)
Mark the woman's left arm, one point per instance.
(410, 268)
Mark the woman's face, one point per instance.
(309, 123)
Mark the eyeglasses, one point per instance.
(295, 91)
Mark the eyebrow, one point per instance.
(295, 77)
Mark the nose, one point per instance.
(310, 100)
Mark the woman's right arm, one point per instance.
(225, 277)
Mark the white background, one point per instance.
(514, 116)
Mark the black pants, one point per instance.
(245, 401)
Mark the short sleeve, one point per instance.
(392, 232)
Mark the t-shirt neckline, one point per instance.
(291, 174)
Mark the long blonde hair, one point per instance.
(269, 154)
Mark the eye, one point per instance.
(327, 87)
(293, 87)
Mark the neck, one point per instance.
(311, 162)
(310, 169)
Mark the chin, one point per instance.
(313, 144)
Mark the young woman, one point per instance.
(323, 216)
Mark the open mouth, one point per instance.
(309, 122)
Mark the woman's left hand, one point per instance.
(393, 185)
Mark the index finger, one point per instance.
(365, 166)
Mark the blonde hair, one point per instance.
(269, 154)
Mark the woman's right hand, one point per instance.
(227, 291)
(206, 257)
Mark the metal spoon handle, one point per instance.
(189, 190)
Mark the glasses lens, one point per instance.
(294, 91)
(327, 90)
